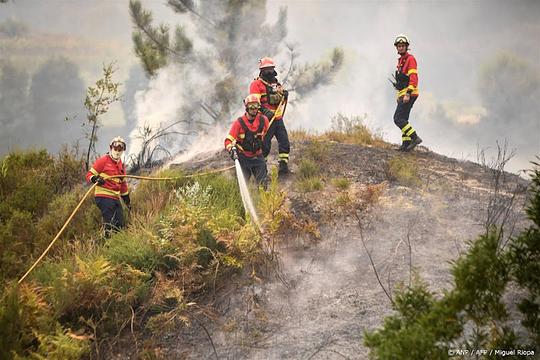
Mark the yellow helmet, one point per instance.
(401, 39)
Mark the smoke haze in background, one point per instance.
(454, 42)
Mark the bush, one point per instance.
(352, 131)
(272, 205)
(404, 170)
(473, 314)
(23, 314)
(32, 184)
(307, 169)
(308, 179)
(341, 183)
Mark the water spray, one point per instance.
(244, 191)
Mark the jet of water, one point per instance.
(244, 193)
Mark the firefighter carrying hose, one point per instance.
(273, 102)
(245, 140)
(406, 83)
(109, 191)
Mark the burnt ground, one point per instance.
(328, 294)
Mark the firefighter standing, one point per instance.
(407, 86)
(245, 140)
(273, 101)
(109, 191)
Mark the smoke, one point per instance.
(453, 42)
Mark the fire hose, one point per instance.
(90, 191)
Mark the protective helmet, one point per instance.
(252, 99)
(401, 39)
(117, 140)
(266, 62)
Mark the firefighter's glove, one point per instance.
(286, 94)
(96, 179)
(127, 201)
(233, 154)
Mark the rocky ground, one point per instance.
(327, 293)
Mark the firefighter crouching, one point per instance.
(245, 140)
(109, 191)
(406, 84)
(273, 102)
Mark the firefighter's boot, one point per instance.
(283, 169)
(415, 141)
(404, 146)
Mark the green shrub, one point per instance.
(341, 183)
(86, 222)
(61, 345)
(307, 169)
(24, 315)
(137, 248)
(310, 184)
(352, 130)
(404, 170)
(308, 179)
(424, 327)
(318, 151)
(32, 184)
(272, 205)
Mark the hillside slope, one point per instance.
(316, 304)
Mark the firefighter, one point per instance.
(245, 140)
(406, 84)
(109, 191)
(273, 102)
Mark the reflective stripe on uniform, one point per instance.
(405, 128)
(404, 91)
(406, 138)
(284, 157)
(412, 71)
(108, 178)
(410, 132)
(104, 191)
(94, 171)
(230, 137)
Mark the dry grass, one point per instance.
(341, 183)
(404, 170)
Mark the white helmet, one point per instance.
(401, 39)
(117, 140)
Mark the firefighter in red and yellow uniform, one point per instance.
(245, 140)
(407, 86)
(273, 103)
(109, 191)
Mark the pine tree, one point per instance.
(229, 37)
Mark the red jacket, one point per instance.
(407, 65)
(106, 166)
(237, 134)
(264, 90)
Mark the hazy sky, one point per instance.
(452, 41)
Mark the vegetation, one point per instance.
(403, 170)
(474, 314)
(217, 77)
(184, 236)
(308, 176)
(97, 102)
(341, 183)
(344, 129)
